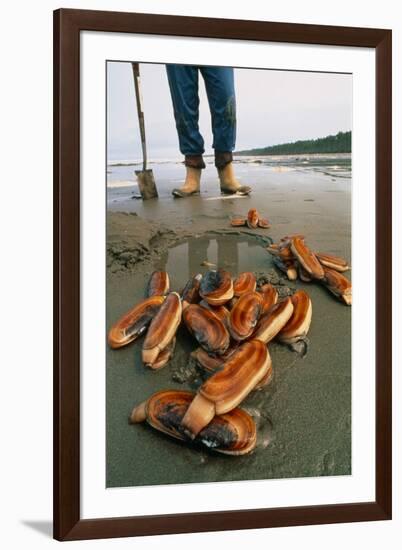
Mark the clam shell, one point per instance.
(245, 282)
(306, 258)
(288, 267)
(273, 321)
(339, 285)
(279, 264)
(233, 433)
(269, 297)
(134, 323)
(211, 363)
(207, 329)
(303, 275)
(252, 218)
(208, 362)
(263, 223)
(286, 254)
(332, 262)
(225, 389)
(220, 311)
(238, 221)
(191, 292)
(162, 329)
(216, 287)
(291, 270)
(158, 284)
(299, 323)
(164, 356)
(244, 315)
(287, 238)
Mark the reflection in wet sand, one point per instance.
(198, 255)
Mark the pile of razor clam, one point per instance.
(252, 220)
(232, 321)
(293, 257)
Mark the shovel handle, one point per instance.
(136, 75)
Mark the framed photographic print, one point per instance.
(215, 182)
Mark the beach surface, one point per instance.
(304, 415)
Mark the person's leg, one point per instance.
(219, 84)
(183, 84)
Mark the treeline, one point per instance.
(339, 143)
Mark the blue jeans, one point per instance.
(219, 84)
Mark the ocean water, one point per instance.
(169, 173)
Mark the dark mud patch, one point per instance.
(133, 240)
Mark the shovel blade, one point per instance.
(146, 184)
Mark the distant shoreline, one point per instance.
(209, 156)
(339, 143)
(289, 154)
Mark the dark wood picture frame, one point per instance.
(67, 26)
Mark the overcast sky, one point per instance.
(272, 107)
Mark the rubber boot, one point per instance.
(229, 183)
(191, 184)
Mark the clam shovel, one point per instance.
(145, 178)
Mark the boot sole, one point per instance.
(241, 193)
(181, 195)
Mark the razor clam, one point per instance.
(225, 389)
(207, 329)
(333, 262)
(263, 223)
(232, 433)
(339, 285)
(285, 253)
(135, 322)
(288, 238)
(158, 284)
(191, 292)
(288, 267)
(162, 329)
(244, 315)
(216, 287)
(291, 270)
(269, 297)
(252, 218)
(303, 275)
(306, 258)
(273, 321)
(220, 311)
(299, 323)
(211, 363)
(245, 282)
(164, 356)
(238, 222)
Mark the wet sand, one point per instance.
(304, 415)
